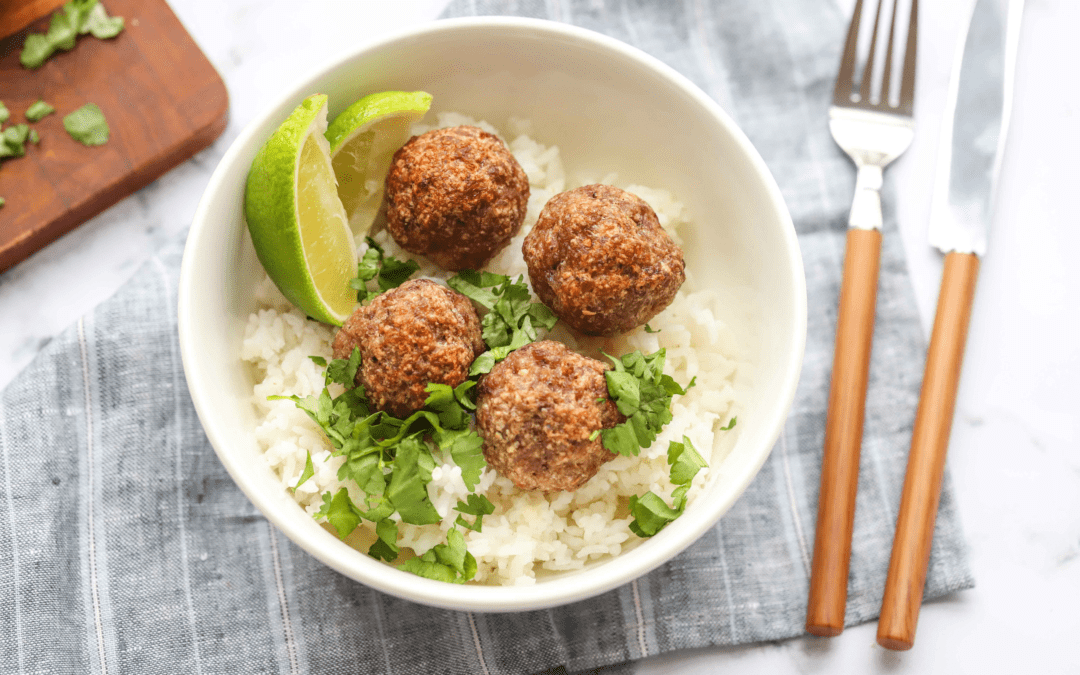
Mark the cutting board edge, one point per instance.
(22, 248)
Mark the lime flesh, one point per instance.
(363, 140)
(297, 223)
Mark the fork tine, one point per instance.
(907, 85)
(868, 69)
(846, 76)
(886, 80)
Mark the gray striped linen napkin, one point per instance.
(126, 548)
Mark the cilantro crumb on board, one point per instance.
(75, 18)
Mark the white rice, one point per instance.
(530, 533)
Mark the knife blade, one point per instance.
(972, 146)
(975, 127)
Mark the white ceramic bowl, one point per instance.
(609, 107)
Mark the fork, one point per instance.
(873, 132)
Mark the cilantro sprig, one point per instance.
(387, 271)
(512, 317)
(642, 392)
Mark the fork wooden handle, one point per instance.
(843, 434)
(926, 462)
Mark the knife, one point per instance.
(972, 144)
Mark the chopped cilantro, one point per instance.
(685, 461)
(651, 513)
(75, 18)
(4, 113)
(407, 490)
(39, 109)
(13, 140)
(389, 459)
(2, 201)
(33, 137)
(387, 271)
(730, 425)
(445, 562)
(101, 25)
(477, 505)
(385, 547)
(309, 471)
(342, 371)
(87, 125)
(35, 50)
(650, 329)
(642, 392)
(340, 512)
(512, 317)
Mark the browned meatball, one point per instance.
(536, 411)
(417, 333)
(600, 260)
(455, 195)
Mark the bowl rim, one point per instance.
(580, 585)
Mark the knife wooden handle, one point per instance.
(843, 434)
(926, 463)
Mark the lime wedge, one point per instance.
(363, 140)
(297, 223)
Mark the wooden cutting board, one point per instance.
(161, 97)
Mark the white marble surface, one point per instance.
(1015, 450)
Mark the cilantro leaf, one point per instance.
(343, 371)
(341, 512)
(395, 272)
(408, 483)
(13, 140)
(448, 562)
(366, 470)
(642, 392)
(685, 461)
(730, 425)
(512, 317)
(87, 125)
(62, 33)
(35, 50)
(454, 555)
(5, 114)
(77, 17)
(466, 451)
(385, 547)
(477, 505)
(101, 25)
(389, 272)
(426, 566)
(650, 329)
(33, 137)
(309, 471)
(650, 513)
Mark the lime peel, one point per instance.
(299, 229)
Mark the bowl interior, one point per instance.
(610, 109)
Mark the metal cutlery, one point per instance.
(873, 130)
(971, 146)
